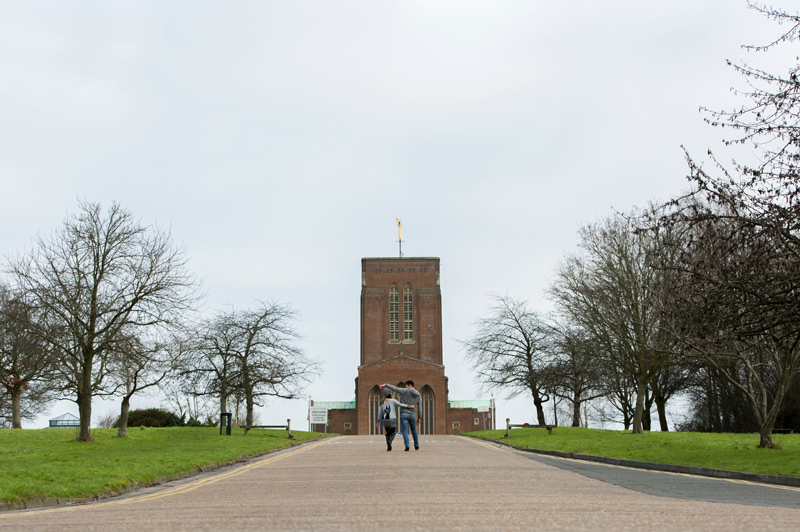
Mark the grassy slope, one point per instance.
(736, 452)
(50, 463)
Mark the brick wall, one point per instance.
(422, 275)
(465, 418)
(338, 420)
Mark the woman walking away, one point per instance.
(387, 417)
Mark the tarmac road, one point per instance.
(451, 483)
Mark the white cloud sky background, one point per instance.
(279, 140)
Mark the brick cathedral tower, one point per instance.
(401, 337)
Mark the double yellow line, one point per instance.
(487, 445)
(184, 488)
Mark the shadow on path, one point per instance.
(679, 486)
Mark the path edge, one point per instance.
(668, 468)
(35, 503)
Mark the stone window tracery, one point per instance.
(408, 314)
(394, 314)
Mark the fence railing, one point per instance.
(509, 426)
(287, 428)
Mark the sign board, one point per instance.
(318, 415)
(483, 409)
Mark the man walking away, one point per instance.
(408, 416)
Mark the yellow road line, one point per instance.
(487, 445)
(184, 488)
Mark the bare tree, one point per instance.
(252, 354)
(739, 312)
(179, 391)
(211, 370)
(766, 191)
(574, 370)
(101, 274)
(619, 392)
(670, 381)
(746, 280)
(716, 405)
(511, 351)
(612, 292)
(106, 421)
(270, 364)
(139, 365)
(26, 363)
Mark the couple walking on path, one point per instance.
(407, 405)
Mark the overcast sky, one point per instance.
(278, 141)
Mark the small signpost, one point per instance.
(318, 415)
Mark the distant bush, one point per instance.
(197, 423)
(152, 417)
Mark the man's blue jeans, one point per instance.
(407, 420)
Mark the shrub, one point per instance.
(152, 417)
(193, 422)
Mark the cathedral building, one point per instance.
(401, 339)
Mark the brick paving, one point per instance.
(352, 483)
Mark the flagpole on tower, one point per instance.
(400, 236)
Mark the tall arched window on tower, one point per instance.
(408, 314)
(394, 314)
(427, 411)
(375, 402)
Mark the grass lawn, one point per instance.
(735, 452)
(50, 463)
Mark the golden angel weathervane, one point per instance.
(400, 236)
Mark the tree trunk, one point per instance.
(250, 405)
(576, 412)
(714, 416)
(223, 398)
(539, 411)
(641, 389)
(85, 413)
(555, 410)
(661, 407)
(123, 417)
(647, 420)
(767, 420)
(85, 400)
(16, 412)
(766, 439)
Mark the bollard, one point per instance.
(508, 427)
(225, 422)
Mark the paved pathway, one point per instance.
(451, 483)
